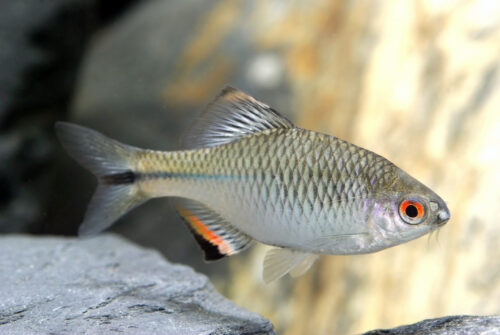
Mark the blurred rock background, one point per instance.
(415, 81)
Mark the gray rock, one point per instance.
(107, 285)
(448, 325)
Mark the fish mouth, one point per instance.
(440, 210)
(443, 215)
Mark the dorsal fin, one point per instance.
(216, 236)
(233, 114)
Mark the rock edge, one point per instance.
(108, 285)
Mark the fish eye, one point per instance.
(411, 211)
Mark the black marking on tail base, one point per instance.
(120, 178)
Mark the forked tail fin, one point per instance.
(113, 164)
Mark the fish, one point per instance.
(247, 174)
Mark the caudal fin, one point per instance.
(112, 163)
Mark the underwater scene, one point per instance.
(316, 167)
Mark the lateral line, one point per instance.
(161, 174)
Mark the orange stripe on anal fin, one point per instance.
(205, 232)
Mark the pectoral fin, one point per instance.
(280, 261)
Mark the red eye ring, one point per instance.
(411, 210)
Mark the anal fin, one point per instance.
(216, 237)
(280, 261)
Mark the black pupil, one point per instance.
(411, 211)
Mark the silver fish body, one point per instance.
(250, 174)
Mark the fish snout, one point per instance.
(441, 211)
(443, 215)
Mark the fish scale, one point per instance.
(249, 174)
(302, 187)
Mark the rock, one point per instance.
(106, 284)
(448, 325)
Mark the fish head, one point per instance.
(407, 209)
